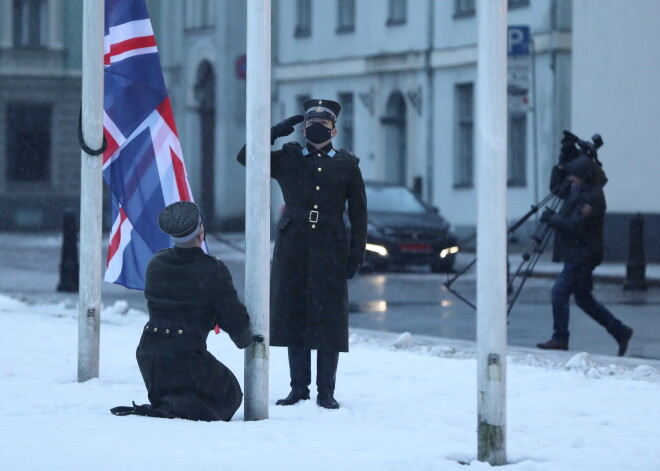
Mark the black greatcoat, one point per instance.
(186, 287)
(309, 292)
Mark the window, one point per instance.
(512, 4)
(346, 122)
(303, 18)
(199, 14)
(345, 16)
(517, 152)
(30, 23)
(464, 145)
(397, 12)
(464, 8)
(28, 142)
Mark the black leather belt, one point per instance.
(169, 328)
(314, 216)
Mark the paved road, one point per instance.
(414, 301)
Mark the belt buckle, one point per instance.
(313, 216)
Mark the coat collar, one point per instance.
(328, 151)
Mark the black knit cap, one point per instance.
(181, 221)
(315, 107)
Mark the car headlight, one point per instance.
(379, 249)
(444, 253)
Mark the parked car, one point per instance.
(404, 230)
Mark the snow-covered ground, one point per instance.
(406, 405)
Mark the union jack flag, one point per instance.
(143, 163)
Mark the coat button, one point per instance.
(180, 332)
(146, 327)
(167, 331)
(318, 187)
(313, 226)
(155, 329)
(316, 206)
(319, 169)
(319, 154)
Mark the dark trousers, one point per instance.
(577, 279)
(300, 368)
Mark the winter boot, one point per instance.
(326, 375)
(301, 376)
(622, 338)
(553, 344)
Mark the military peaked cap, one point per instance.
(321, 108)
(182, 221)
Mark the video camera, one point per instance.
(572, 147)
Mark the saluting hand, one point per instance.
(284, 128)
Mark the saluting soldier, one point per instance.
(313, 257)
(188, 292)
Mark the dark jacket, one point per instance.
(188, 293)
(309, 293)
(560, 186)
(579, 238)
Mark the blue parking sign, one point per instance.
(518, 40)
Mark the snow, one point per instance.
(407, 403)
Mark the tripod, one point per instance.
(537, 245)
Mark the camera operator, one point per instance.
(579, 244)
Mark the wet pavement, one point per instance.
(413, 300)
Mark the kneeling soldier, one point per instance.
(188, 292)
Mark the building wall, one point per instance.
(616, 63)
(48, 76)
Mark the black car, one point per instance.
(403, 230)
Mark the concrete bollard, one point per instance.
(636, 267)
(69, 260)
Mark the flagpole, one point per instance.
(257, 205)
(491, 107)
(91, 191)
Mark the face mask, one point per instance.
(317, 133)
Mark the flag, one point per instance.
(143, 163)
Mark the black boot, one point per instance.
(326, 375)
(622, 337)
(553, 344)
(301, 376)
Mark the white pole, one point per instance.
(257, 205)
(491, 229)
(91, 192)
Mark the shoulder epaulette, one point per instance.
(350, 154)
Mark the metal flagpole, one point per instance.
(491, 229)
(91, 191)
(257, 205)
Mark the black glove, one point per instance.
(258, 338)
(351, 271)
(547, 215)
(284, 128)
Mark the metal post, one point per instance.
(257, 205)
(491, 229)
(91, 192)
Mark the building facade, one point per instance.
(40, 80)
(405, 72)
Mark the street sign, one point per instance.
(518, 39)
(519, 67)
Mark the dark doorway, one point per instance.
(394, 123)
(205, 96)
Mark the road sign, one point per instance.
(518, 39)
(519, 67)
